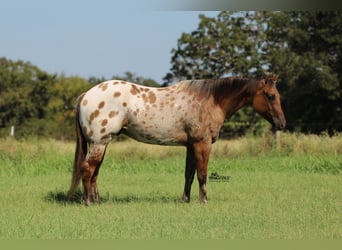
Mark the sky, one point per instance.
(93, 38)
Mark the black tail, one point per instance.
(80, 152)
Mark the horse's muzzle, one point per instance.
(279, 123)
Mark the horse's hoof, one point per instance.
(204, 201)
(185, 198)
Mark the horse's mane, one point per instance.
(220, 87)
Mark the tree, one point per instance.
(23, 89)
(61, 107)
(42, 104)
(35, 102)
(222, 46)
(303, 48)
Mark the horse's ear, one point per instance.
(274, 78)
(262, 82)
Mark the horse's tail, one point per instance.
(80, 152)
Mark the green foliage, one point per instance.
(40, 104)
(226, 45)
(35, 102)
(24, 92)
(303, 48)
(308, 57)
(219, 46)
(62, 104)
(293, 152)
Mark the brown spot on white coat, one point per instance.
(101, 105)
(134, 90)
(113, 113)
(117, 94)
(152, 97)
(104, 122)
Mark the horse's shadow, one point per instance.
(61, 198)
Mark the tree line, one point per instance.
(40, 104)
(303, 48)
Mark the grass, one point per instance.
(291, 192)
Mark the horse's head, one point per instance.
(266, 102)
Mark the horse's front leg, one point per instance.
(190, 168)
(201, 153)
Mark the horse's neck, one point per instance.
(235, 101)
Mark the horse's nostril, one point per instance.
(278, 124)
(283, 124)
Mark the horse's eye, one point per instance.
(271, 97)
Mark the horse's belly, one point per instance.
(156, 133)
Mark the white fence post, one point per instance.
(278, 140)
(12, 131)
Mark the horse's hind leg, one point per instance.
(90, 170)
(94, 190)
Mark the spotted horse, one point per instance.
(189, 113)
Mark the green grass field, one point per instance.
(287, 191)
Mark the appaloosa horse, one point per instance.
(189, 113)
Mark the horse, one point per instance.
(189, 113)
